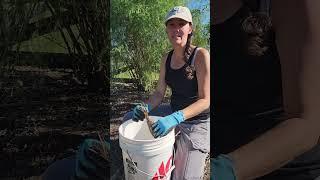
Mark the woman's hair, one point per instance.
(188, 49)
(257, 27)
(187, 53)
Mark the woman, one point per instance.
(186, 70)
(259, 133)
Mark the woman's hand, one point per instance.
(165, 124)
(139, 110)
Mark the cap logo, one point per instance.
(176, 10)
(179, 12)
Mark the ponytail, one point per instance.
(190, 69)
(187, 50)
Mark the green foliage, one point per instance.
(201, 31)
(138, 38)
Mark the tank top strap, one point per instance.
(194, 56)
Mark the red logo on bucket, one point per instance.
(162, 171)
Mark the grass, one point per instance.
(126, 75)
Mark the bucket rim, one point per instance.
(148, 140)
(171, 133)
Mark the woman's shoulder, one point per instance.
(202, 49)
(202, 52)
(202, 57)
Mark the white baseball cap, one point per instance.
(179, 12)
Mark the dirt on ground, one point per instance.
(44, 116)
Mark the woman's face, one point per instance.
(177, 31)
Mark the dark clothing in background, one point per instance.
(247, 97)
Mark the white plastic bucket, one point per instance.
(145, 157)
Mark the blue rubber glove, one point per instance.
(165, 124)
(138, 111)
(222, 168)
(89, 162)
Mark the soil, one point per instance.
(46, 114)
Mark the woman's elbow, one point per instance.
(206, 103)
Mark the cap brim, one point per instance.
(179, 17)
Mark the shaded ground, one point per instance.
(122, 99)
(44, 116)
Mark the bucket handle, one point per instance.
(150, 175)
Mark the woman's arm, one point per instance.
(157, 96)
(297, 33)
(202, 66)
(164, 125)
